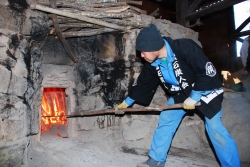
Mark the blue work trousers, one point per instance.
(169, 120)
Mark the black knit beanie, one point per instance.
(149, 39)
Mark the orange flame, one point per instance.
(53, 108)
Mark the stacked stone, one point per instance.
(14, 122)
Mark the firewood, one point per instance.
(87, 32)
(100, 1)
(134, 2)
(75, 16)
(135, 9)
(101, 13)
(81, 25)
(105, 5)
(62, 20)
(154, 13)
(131, 2)
(125, 22)
(78, 5)
(116, 9)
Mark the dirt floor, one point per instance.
(57, 151)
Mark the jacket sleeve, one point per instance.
(143, 89)
(205, 72)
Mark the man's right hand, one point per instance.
(189, 104)
(120, 106)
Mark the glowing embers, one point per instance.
(53, 110)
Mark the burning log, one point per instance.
(112, 111)
(53, 108)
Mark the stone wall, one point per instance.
(17, 88)
(15, 112)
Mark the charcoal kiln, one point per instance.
(60, 57)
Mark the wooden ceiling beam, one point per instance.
(241, 34)
(194, 6)
(243, 25)
(211, 9)
(240, 40)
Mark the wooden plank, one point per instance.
(211, 9)
(59, 33)
(92, 32)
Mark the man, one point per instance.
(187, 74)
(244, 53)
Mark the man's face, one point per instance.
(149, 56)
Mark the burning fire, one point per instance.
(53, 108)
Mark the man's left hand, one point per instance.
(120, 106)
(189, 104)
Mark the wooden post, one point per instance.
(181, 9)
(59, 33)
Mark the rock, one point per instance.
(18, 85)
(5, 75)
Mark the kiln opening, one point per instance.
(53, 112)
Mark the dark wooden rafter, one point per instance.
(208, 10)
(243, 25)
(240, 40)
(167, 12)
(61, 36)
(241, 34)
(237, 34)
